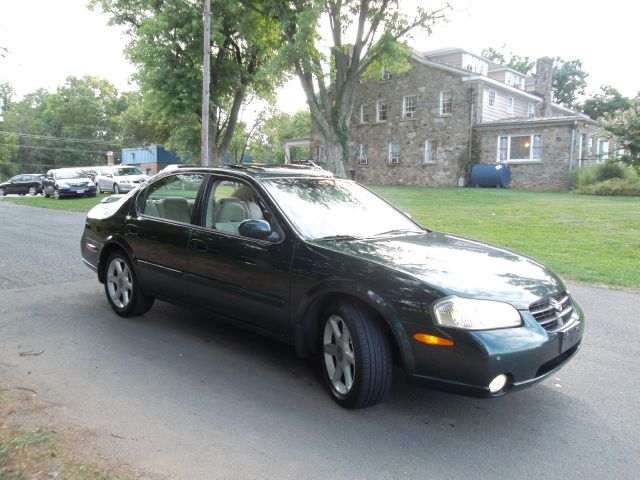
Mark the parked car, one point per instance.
(119, 179)
(67, 182)
(331, 268)
(22, 184)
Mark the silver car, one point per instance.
(119, 179)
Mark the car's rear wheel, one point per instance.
(56, 194)
(122, 289)
(2, 192)
(98, 188)
(356, 356)
(33, 191)
(116, 189)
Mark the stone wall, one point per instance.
(551, 172)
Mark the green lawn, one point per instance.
(71, 204)
(586, 239)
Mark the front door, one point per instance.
(245, 279)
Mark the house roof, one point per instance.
(536, 121)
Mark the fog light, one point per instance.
(498, 383)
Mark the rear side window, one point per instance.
(172, 198)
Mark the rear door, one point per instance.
(245, 279)
(158, 231)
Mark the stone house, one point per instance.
(420, 127)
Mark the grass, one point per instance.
(594, 240)
(586, 239)
(71, 204)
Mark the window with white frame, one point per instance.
(394, 152)
(603, 150)
(514, 80)
(510, 104)
(531, 110)
(430, 151)
(364, 154)
(446, 103)
(409, 105)
(519, 148)
(381, 111)
(492, 97)
(385, 75)
(364, 113)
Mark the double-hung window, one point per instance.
(430, 151)
(492, 97)
(364, 113)
(446, 103)
(381, 111)
(385, 75)
(519, 148)
(394, 152)
(409, 105)
(364, 154)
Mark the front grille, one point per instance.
(553, 312)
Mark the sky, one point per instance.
(48, 41)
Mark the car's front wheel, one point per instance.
(116, 189)
(2, 192)
(355, 356)
(122, 289)
(33, 191)
(56, 194)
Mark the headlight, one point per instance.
(125, 181)
(470, 314)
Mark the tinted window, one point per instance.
(120, 172)
(172, 198)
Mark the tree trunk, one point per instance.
(335, 156)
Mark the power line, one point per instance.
(54, 148)
(66, 139)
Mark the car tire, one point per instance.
(2, 192)
(122, 288)
(98, 188)
(116, 189)
(33, 191)
(355, 356)
(56, 194)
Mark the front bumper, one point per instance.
(527, 355)
(76, 191)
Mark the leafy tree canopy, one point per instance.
(569, 82)
(607, 102)
(520, 64)
(625, 127)
(267, 144)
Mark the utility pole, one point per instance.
(206, 75)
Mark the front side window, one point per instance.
(430, 151)
(446, 103)
(231, 202)
(381, 111)
(394, 152)
(519, 148)
(326, 207)
(409, 106)
(171, 198)
(364, 113)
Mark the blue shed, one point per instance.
(149, 158)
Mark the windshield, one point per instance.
(325, 208)
(121, 172)
(68, 174)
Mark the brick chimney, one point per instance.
(110, 158)
(544, 81)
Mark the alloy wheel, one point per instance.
(339, 357)
(33, 191)
(119, 282)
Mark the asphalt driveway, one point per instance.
(176, 393)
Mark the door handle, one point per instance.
(199, 245)
(132, 229)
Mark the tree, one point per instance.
(520, 64)
(569, 82)
(329, 79)
(605, 103)
(268, 147)
(625, 127)
(166, 46)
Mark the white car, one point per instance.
(119, 179)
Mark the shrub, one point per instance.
(581, 177)
(609, 170)
(614, 187)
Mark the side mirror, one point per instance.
(254, 229)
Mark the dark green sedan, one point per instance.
(331, 268)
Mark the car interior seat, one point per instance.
(175, 208)
(230, 213)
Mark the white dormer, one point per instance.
(474, 64)
(514, 79)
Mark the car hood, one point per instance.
(458, 266)
(74, 181)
